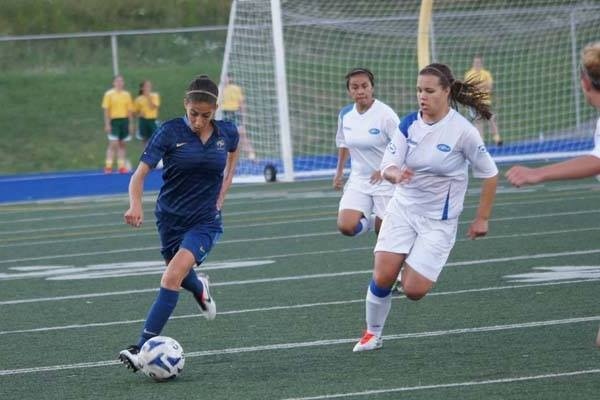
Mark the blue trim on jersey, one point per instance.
(345, 110)
(407, 121)
(446, 206)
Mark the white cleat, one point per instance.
(368, 342)
(130, 357)
(207, 305)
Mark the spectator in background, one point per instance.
(485, 83)
(579, 167)
(233, 106)
(146, 108)
(118, 124)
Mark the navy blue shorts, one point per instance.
(199, 239)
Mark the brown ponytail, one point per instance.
(465, 93)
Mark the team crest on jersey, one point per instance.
(220, 144)
(392, 148)
(481, 148)
(443, 147)
(374, 131)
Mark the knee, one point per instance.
(347, 229)
(170, 280)
(384, 279)
(413, 293)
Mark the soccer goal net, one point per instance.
(290, 56)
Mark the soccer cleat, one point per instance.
(397, 288)
(107, 170)
(207, 305)
(123, 170)
(368, 342)
(131, 358)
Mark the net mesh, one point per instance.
(530, 47)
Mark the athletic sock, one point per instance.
(378, 304)
(192, 284)
(361, 227)
(108, 164)
(159, 314)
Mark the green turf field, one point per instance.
(76, 283)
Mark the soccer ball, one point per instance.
(162, 358)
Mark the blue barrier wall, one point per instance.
(68, 184)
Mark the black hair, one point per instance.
(202, 90)
(466, 93)
(358, 71)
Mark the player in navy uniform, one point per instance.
(199, 156)
(418, 232)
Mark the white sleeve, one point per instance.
(596, 151)
(390, 125)
(395, 152)
(482, 164)
(340, 141)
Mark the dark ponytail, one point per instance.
(465, 93)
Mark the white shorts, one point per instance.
(426, 241)
(365, 203)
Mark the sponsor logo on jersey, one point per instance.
(411, 142)
(392, 148)
(443, 147)
(374, 131)
(180, 144)
(347, 128)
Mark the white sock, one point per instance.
(364, 226)
(377, 310)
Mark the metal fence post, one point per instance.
(115, 54)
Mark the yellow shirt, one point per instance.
(142, 107)
(232, 98)
(484, 77)
(118, 103)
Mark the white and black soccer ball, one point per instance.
(162, 358)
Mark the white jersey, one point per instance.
(439, 155)
(366, 136)
(596, 151)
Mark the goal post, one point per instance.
(290, 58)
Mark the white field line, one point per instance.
(153, 233)
(289, 307)
(272, 238)
(120, 213)
(265, 280)
(450, 385)
(319, 343)
(228, 214)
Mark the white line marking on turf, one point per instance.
(450, 385)
(233, 241)
(454, 264)
(318, 343)
(289, 307)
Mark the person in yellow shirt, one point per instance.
(233, 106)
(118, 123)
(146, 108)
(485, 83)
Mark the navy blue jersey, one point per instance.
(193, 171)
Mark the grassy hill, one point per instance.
(50, 90)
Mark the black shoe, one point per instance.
(130, 357)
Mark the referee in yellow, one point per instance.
(118, 124)
(485, 83)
